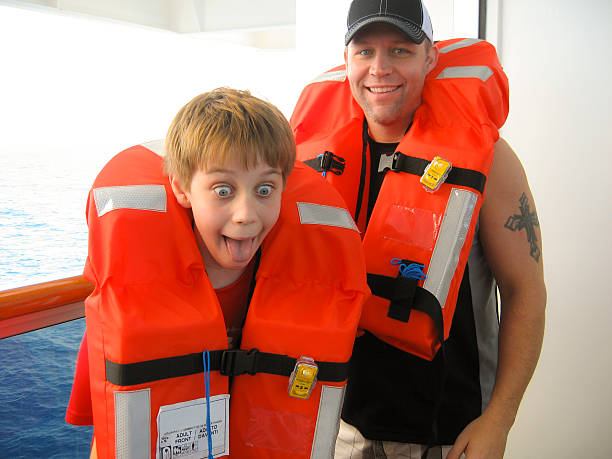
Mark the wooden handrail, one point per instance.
(40, 297)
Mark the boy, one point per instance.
(225, 266)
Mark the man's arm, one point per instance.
(510, 235)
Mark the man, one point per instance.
(402, 400)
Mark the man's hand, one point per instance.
(483, 438)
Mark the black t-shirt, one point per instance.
(377, 149)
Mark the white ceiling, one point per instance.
(259, 23)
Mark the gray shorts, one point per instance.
(352, 445)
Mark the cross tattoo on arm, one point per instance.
(528, 221)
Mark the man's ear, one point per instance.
(181, 196)
(432, 58)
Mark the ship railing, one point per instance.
(29, 308)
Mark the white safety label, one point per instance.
(182, 432)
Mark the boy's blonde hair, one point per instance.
(223, 124)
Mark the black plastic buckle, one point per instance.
(236, 362)
(332, 163)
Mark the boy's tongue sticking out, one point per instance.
(240, 250)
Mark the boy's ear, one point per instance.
(180, 195)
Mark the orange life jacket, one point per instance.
(411, 229)
(154, 314)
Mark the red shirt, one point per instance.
(233, 300)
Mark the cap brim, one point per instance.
(412, 31)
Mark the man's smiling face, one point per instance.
(386, 72)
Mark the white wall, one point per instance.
(557, 57)
(320, 28)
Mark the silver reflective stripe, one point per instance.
(481, 72)
(318, 214)
(338, 75)
(139, 197)
(460, 44)
(328, 422)
(133, 424)
(156, 146)
(445, 256)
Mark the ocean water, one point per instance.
(43, 236)
(35, 382)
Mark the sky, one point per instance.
(69, 84)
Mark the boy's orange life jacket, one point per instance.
(154, 313)
(412, 232)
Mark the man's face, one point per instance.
(233, 210)
(386, 72)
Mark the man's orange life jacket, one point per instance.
(418, 238)
(154, 323)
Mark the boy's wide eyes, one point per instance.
(264, 190)
(223, 191)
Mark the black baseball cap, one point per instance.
(410, 16)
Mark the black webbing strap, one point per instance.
(405, 295)
(230, 362)
(400, 162)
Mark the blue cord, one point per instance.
(206, 358)
(411, 271)
(324, 172)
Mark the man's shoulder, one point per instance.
(507, 174)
